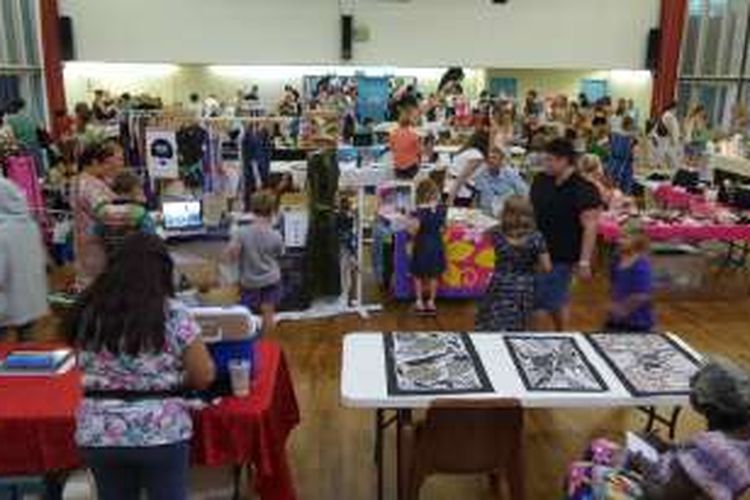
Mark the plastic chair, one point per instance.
(466, 437)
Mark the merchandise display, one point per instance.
(469, 251)
(666, 225)
(433, 363)
(550, 363)
(647, 364)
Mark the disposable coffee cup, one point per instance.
(239, 376)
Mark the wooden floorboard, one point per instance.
(331, 451)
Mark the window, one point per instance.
(504, 87)
(712, 58)
(594, 89)
(20, 59)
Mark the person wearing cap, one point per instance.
(631, 308)
(714, 463)
(567, 209)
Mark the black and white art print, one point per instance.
(553, 364)
(433, 363)
(650, 364)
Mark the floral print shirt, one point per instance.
(88, 194)
(151, 422)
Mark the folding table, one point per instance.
(364, 385)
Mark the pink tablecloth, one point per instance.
(610, 231)
(675, 197)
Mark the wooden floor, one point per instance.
(331, 451)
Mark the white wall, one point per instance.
(598, 34)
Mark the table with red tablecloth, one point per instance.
(37, 424)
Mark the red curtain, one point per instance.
(53, 70)
(665, 78)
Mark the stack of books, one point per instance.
(38, 362)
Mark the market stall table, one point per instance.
(364, 382)
(37, 424)
(687, 229)
(469, 252)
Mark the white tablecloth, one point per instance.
(364, 383)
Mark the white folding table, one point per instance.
(364, 384)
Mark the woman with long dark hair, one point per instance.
(138, 349)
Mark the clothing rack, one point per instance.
(137, 122)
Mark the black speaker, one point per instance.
(347, 35)
(67, 42)
(652, 50)
(499, 1)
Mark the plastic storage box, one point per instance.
(229, 333)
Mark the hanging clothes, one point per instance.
(323, 236)
(191, 143)
(231, 167)
(620, 163)
(211, 160)
(256, 160)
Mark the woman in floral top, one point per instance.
(99, 161)
(138, 349)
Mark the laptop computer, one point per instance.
(183, 216)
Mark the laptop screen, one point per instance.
(182, 214)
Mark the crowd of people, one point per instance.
(552, 218)
(138, 345)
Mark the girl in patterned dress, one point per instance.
(520, 251)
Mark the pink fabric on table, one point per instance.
(610, 231)
(675, 197)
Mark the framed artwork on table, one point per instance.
(647, 364)
(433, 363)
(549, 363)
